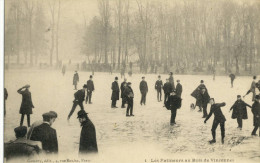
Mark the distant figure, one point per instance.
(256, 113)
(167, 88)
(214, 72)
(90, 89)
(130, 73)
(75, 80)
(123, 96)
(79, 98)
(219, 119)
(21, 147)
(5, 96)
(158, 88)
(93, 69)
(115, 93)
(173, 103)
(143, 89)
(46, 134)
(111, 69)
(252, 89)
(130, 102)
(202, 101)
(122, 72)
(63, 70)
(88, 140)
(232, 78)
(172, 80)
(27, 104)
(239, 111)
(178, 88)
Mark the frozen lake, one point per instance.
(146, 136)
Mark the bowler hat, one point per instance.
(116, 78)
(82, 114)
(238, 96)
(202, 81)
(90, 76)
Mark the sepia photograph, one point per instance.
(131, 81)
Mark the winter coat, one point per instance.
(239, 109)
(167, 88)
(88, 141)
(75, 79)
(115, 91)
(196, 92)
(179, 89)
(232, 76)
(129, 93)
(47, 135)
(27, 105)
(122, 88)
(171, 80)
(90, 86)
(143, 87)
(158, 85)
(79, 96)
(215, 109)
(256, 113)
(173, 102)
(202, 99)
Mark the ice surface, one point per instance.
(146, 136)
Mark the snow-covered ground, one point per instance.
(147, 137)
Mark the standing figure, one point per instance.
(172, 80)
(130, 102)
(143, 89)
(214, 72)
(252, 89)
(79, 98)
(27, 104)
(239, 111)
(196, 94)
(219, 119)
(88, 140)
(123, 96)
(115, 93)
(256, 113)
(202, 101)
(122, 72)
(173, 103)
(75, 79)
(232, 78)
(158, 87)
(167, 89)
(178, 88)
(46, 134)
(63, 70)
(90, 89)
(5, 96)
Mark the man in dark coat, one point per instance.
(202, 101)
(75, 79)
(90, 89)
(171, 80)
(5, 96)
(115, 93)
(256, 113)
(130, 102)
(123, 96)
(88, 141)
(219, 119)
(197, 92)
(167, 89)
(239, 111)
(173, 103)
(158, 87)
(27, 105)
(143, 89)
(252, 89)
(232, 78)
(178, 88)
(46, 134)
(79, 98)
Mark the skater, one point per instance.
(172, 80)
(167, 88)
(158, 87)
(63, 70)
(88, 141)
(256, 113)
(5, 96)
(90, 89)
(115, 93)
(173, 103)
(202, 101)
(27, 104)
(144, 90)
(252, 89)
(75, 80)
(219, 119)
(232, 78)
(239, 111)
(21, 147)
(122, 88)
(178, 88)
(129, 96)
(79, 99)
(46, 134)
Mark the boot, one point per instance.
(212, 141)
